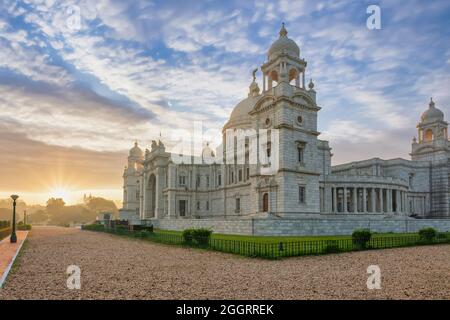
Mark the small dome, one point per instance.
(207, 152)
(136, 151)
(283, 44)
(432, 114)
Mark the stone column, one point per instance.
(159, 201)
(344, 201)
(398, 199)
(372, 200)
(334, 209)
(297, 81)
(381, 200)
(303, 79)
(388, 200)
(355, 199)
(364, 200)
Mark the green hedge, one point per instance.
(4, 224)
(4, 232)
(361, 238)
(197, 236)
(427, 234)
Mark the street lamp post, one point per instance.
(13, 238)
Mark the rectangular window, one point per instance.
(182, 207)
(301, 194)
(232, 177)
(240, 174)
(137, 196)
(207, 181)
(182, 180)
(300, 154)
(247, 173)
(197, 183)
(238, 205)
(198, 205)
(219, 180)
(207, 205)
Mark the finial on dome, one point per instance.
(311, 84)
(254, 74)
(135, 143)
(431, 103)
(283, 32)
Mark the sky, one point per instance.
(81, 80)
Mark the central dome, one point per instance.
(283, 44)
(240, 115)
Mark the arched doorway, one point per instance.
(265, 202)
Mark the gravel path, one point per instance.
(119, 268)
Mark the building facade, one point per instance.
(272, 165)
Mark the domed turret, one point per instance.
(207, 153)
(136, 152)
(432, 114)
(283, 45)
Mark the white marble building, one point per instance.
(280, 169)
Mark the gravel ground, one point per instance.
(113, 267)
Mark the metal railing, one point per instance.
(274, 250)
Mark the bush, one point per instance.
(427, 234)
(121, 229)
(197, 236)
(332, 246)
(93, 227)
(188, 236)
(22, 226)
(361, 237)
(144, 234)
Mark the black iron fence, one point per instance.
(274, 250)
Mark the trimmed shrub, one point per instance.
(188, 237)
(198, 237)
(93, 227)
(121, 229)
(361, 237)
(144, 234)
(202, 236)
(427, 234)
(22, 226)
(332, 246)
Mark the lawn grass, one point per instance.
(276, 239)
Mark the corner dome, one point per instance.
(207, 152)
(136, 151)
(283, 44)
(432, 114)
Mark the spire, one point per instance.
(283, 32)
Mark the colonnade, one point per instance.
(368, 200)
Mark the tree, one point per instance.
(39, 216)
(98, 204)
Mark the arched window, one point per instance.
(428, 135)
(265, 202)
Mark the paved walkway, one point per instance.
(114, 267)
(8, 251)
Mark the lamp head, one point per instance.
(14, 197)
